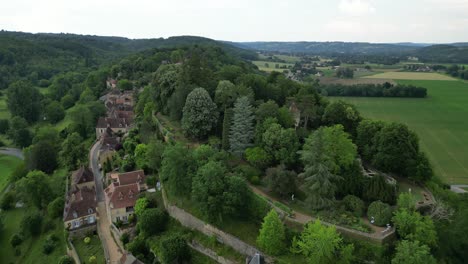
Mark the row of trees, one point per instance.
(374, 90)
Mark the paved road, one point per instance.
(94, 164)
(12, 152)
(458, 188)
(111, 248)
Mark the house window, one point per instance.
(124, 219)
(76, 223)
(90, 210)
(90, 219)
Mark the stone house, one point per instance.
(122, 193)
(117, 125)
(79, 214)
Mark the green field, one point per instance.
(7, 165)
(412, 76)
(440, 121)
(271, 65)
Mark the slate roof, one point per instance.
(122, 196)
(105, 122)
(80, 202)
(82, 175)
(131, 177)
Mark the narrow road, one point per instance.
(459, 188)
(111, 248)
(12, 152)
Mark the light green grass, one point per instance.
(4, 113)
(412, 76)
(31, 248)
(11, 223)
(85, 251)
(440, 121)
(7, 165)
(271, 65)
(34, 254)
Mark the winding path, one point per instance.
(378, 233)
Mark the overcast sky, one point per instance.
(433, 21)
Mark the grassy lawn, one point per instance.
(31, 248)
(11, 223)
(7, 165)
(412, 76)
(439, 120)
(85, 251)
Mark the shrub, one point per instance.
(152, 221)
(125, 238)
(92, 259)
(258, 208)
(381, 212)
(87, 240)
(16, 239)
(49, 244)
(31, 222)
(173, 249)
(48, 225)
(55, 208)
(248, 172)
(7, 201)
(354, 205)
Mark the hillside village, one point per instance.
(190, 150)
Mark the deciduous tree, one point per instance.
(199, 114)
(272, 235)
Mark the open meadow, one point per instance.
(440, 120)
(411, 76)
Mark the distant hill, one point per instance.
(320, 48)
(444, 53)
(41, 56)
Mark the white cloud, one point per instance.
(356, 7)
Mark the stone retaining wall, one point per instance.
(210, 253)
(190, 221)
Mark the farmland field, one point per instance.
(440, 121)
(271, 65)
(412, 76)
